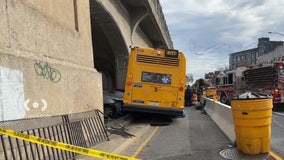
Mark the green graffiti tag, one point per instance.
(47, 72)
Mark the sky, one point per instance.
(206, 31)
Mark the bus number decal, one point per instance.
(171, 53)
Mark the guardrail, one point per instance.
(221, 114)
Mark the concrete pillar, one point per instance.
(121, 70)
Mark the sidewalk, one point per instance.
(121, 134)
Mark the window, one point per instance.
(156, 78)
(218, 81)
(252, 55)
(230, 78)
(238, 58)
(225, 80)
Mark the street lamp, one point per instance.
(276, 33)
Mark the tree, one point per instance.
(189, 78)
(201, 82)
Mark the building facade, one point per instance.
(276, 55)
(242, 58)
(249, 57)
(211, 77)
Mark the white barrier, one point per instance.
(221, 114)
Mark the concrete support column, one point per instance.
(121, 70)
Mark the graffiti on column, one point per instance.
(47, 72)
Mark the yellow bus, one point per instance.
(155, 81)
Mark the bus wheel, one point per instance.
(223, 98)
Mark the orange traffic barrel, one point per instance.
(252, 114)
(194, 98)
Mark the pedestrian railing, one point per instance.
(80, 129)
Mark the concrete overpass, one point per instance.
(55, 54)
(118, 24)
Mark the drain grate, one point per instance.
(230, 153)
(233, 153)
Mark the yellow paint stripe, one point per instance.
(130, 141)
(275, 156)
(139, 149)
(64, 146)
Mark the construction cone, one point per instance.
(194, 98)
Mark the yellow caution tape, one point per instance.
(64, 146)
(275, 156)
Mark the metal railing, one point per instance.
(81, 129)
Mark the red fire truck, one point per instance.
(268, 79)
(230, 83)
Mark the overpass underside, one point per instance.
(118, 24)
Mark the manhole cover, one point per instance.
(233, 153)
(230, 153)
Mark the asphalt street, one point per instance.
(195, 136)
(153, 137)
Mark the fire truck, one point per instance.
(267, 79)
(230, 83)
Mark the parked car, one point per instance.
(113, 101)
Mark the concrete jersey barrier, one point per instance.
(221, 114)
